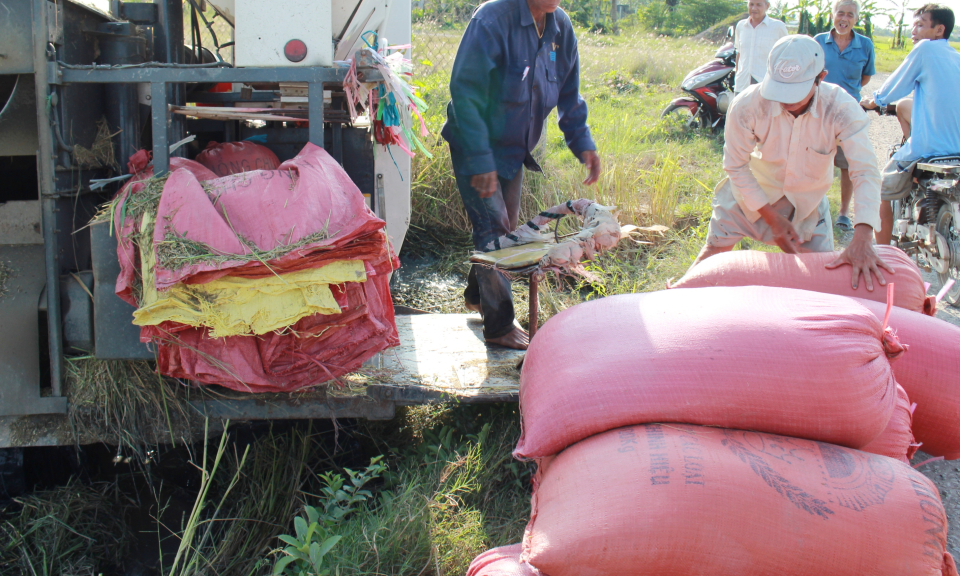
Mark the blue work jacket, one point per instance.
(505, 82)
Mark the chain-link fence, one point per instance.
(435, 45)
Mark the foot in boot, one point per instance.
(518, 339)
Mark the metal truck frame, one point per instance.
(46, 51)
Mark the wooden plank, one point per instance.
(515, 257)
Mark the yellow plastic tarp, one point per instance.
(233, 306)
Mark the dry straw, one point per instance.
(100, 155)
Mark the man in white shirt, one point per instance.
(780, 140)
(753, 40)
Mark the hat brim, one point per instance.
(785, 93)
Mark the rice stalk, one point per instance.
(125, 403)
(664, 194)
(186, 550)
(257, 493)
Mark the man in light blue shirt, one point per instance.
(932, 72)
(849, 59)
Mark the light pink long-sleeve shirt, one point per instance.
(768, 154)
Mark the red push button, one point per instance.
(295, 50)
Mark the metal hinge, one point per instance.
(54, 75)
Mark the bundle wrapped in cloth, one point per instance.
(532, 242)
(270, 280)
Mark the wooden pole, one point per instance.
(534, 301)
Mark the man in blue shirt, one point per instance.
(517, 60)
(849, 61)
(932, 72)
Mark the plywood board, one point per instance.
(446, 353)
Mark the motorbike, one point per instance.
(710, 89)
(927, 221)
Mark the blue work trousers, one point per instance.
(491, 218)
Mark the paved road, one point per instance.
(884, 132)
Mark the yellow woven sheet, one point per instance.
(233, 306)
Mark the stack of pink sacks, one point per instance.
(739, 427)
(307, 213)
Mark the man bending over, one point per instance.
(780, 140)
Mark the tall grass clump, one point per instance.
(246, 496)
(452, 490)
(75, 529)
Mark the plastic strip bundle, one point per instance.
(386, 101)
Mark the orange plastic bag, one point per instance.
(789, 362)
(685, 500)
(930, 373)
(896, 440)
(807, 272)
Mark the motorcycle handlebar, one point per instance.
(890, 109)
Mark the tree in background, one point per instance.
(781, 10)
(816, 16)
(683, 17)
(897, 16)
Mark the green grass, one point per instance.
(453, 491)
(888, 58)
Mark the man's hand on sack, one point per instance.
(867, 103)
(783, 231)
(592, 162)
(862, 257)
(485, 184)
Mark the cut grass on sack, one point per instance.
(176, 252)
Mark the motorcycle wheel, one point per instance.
(949, 229)
(681, 115)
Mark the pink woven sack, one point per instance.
(683, 500)
(896, 440)
(930, 374)
(236, 157)
(807, 272)
(502, 561)
(790, 362)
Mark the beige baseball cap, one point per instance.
(792, 66)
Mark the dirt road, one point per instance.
(884, 133)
